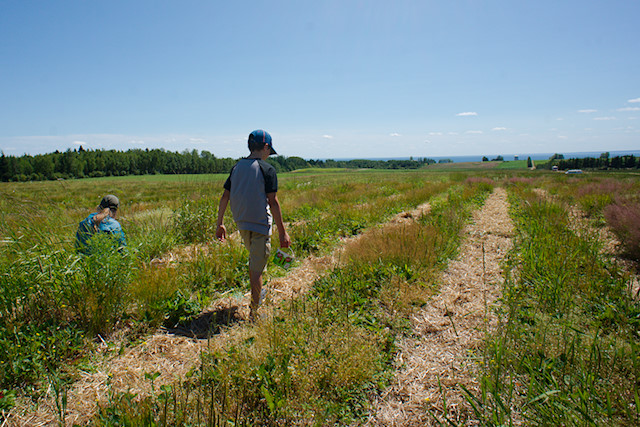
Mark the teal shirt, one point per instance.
(108, 225)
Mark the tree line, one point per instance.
(81, 163)
(604, 162)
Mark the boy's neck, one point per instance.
(261, 155)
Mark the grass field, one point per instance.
(565, 350)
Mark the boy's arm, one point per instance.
(98, 218)
(274, 204)
(221, 231)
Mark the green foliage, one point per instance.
(219, 269)
(566, 348)
(153, 233)
(195, 220)
(320, 356)
(101, 163)
(6, 399)
(179, 309)
(28, 352)
(99, 295)
(565, 334)
(624, 220)
(51, 298)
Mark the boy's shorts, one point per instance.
(259, 246)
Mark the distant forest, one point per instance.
(603, 163)
(83, 163)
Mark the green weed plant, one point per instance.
(317, 359)
(565, 351)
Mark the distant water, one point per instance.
(523, 156)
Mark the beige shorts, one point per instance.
(259, 246)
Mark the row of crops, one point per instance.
(324, 354)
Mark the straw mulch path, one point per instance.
(173, 355)
(441, 354)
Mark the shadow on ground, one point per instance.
(208, 323)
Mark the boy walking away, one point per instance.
(252, 191)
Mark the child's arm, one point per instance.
(274, 204)
(221, 231)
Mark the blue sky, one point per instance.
(328, 79)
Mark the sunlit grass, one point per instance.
(316, 359)
(566, 349)
(569, 327)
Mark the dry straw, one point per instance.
(441, 356)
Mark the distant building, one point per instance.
(515, 157)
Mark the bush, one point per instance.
(196, 220)
(624, 220)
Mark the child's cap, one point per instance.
(262, 136)
(110, 201)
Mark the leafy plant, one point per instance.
(195, 220)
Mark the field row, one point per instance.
(54, 301)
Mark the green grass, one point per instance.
(566, 323)
(513, 164)
(319, 357)
(565, 352)
(46, 285)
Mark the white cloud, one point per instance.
(604, 118)
(474, 131)
(394, 134)
(634, 100)
(467, 113)
(499, 128)
(137, 142)
(452, 133)
(587, 111)
(629, 109)
(80, 143)
(327, 136)
(563, 137)
(435, 133)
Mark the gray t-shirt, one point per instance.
(249, 183)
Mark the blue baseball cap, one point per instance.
(262, 136)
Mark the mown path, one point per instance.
(441, 355)
(172, 356)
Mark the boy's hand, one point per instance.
(285, 240)
(221, 233)
(101, 216)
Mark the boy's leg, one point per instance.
(255, 278)
(259, 246)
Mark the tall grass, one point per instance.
(50, 298)
(565, 351)
(624, 219)
(47, 287)
(317, 359)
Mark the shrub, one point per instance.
(624, 220)
(195, 220)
